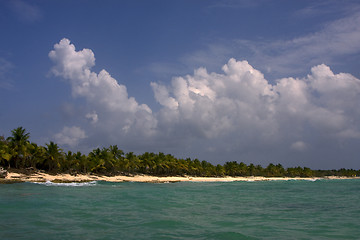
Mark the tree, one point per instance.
(81, 163)
(54, 155)
(95, 162)
(243, 169)
(132, 162)
(116, 152)
(220, 171)
(118, 158)
(17, 152)
(107, 154)
(19, 135)
(251, 170)
(5, 155)
(307, 172)
(36, 156)
(18, 142)
(231, 168)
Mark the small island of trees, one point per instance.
(17, 153)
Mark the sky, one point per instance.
(253, 81)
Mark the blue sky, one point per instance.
(254, 81)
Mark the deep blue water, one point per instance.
(324, 209)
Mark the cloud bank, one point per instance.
(233, 115)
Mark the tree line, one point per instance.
(18, 153)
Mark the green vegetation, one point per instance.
(18, 153)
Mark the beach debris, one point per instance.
(3, 172)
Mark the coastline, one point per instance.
(13, 177)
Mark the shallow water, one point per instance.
(324, 209)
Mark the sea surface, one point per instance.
(322, 209)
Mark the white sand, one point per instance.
(41, 177)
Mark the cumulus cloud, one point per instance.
(75, 66)
(244, 112)
(211, 104)
(103, 93)
(70, 136)
(162, 96)
(241, 99)
(237, 112)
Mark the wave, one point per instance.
(306, 179)
(71, 184)
(312, 179)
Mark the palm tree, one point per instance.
(109, 159)
(118, 153)
(36, 156)
(81, 162)
(19, 135)
(19, 142)
(54, 156)
(96, 163)
(220, 171)
(118, 157)
(132, 162)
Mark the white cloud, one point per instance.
(299, 146)
(331, 43)
(241, 109)
(103, 93)
(70, 136)
(237, 112)
(93, 117)
(211, 104)
(162, 96)
(336, 39)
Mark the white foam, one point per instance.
(305, 179)
(312, 179)
(73, 184)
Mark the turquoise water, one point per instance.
(324, 209)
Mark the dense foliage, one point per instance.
(17, 152)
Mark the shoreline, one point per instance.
(13, 177)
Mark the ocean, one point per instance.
(321, 209)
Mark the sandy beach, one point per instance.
(43, 177)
